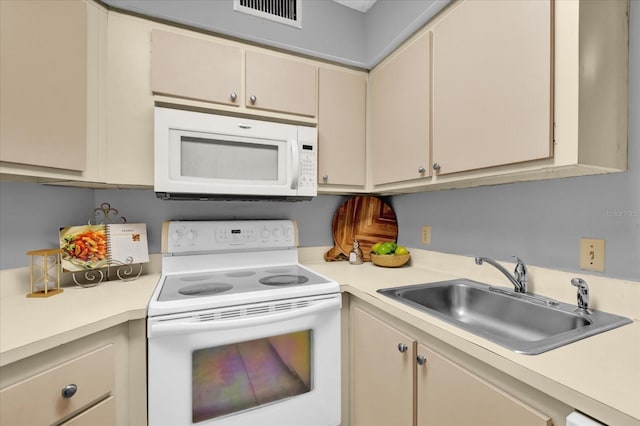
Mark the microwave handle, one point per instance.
(166, 328)
(295, 164)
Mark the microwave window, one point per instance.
(218, 159)
(232, 378)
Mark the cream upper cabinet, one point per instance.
(492, 84)
(395, 380)
(341, 127)
(128, 157)
(43, 83)
(400, 114)
(195, 68)
(280, 84)
(203, 68)
(382, 373)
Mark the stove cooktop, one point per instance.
(224, 283)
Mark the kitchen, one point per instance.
(541, 222)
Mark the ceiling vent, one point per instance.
(282, 11)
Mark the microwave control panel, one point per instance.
(308, 169)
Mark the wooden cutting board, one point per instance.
(365, 218)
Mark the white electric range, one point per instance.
(238, 332)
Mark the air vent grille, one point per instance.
(282, 11)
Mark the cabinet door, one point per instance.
(382, 375)
(341, 127)
(400, 114)
(101, 414)
(93, 374)
(447, 394)
(280, 84)
(129, 156)
(193, 68)
(492, 84)
(43, 83)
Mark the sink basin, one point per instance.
(523, 323)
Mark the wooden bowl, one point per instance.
(390, 260)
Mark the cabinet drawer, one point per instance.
(93, 374)
(102, 414)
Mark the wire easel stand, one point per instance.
(113, 269)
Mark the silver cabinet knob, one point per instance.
(402, 347)
(325, 178)
(69, 390)
(253, 99)
(436, 166)
(421, 170)
(421, 360)
(233, 96)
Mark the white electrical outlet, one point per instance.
(426, 235)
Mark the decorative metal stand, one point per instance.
(123, 271)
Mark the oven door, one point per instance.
(275, 363)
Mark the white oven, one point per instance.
(239, 333)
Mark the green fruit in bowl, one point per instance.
(375, 247)
(390, 246)
(383, 249)
(400, 250)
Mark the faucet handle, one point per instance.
(583, 294)
(520, 273)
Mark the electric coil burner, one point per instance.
(239, 333)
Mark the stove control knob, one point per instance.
(176, 235)
(289, 235)
(277, 233)
(191, 235)
(264, 234)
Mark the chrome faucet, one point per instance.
(583, 294)
(519, 277)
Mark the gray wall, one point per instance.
(329, 30)
(542, 222)
(31, 214)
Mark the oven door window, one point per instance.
(232, 378)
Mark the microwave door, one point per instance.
(209, 163)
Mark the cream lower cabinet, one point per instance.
(397, 381)
(341, 129)
(97, 380)
(61, 391)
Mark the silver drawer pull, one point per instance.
(244, 126)
(69, 390)
(421, 360)
(402, 347)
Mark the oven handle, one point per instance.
(193, 326)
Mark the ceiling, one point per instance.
(361, 5)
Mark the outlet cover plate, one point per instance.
(426, 235)
(592, 254)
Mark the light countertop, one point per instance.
(599, 375)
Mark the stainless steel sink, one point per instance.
(524, 323)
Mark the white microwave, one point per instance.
(206, 156)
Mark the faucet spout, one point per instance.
(519, 279)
